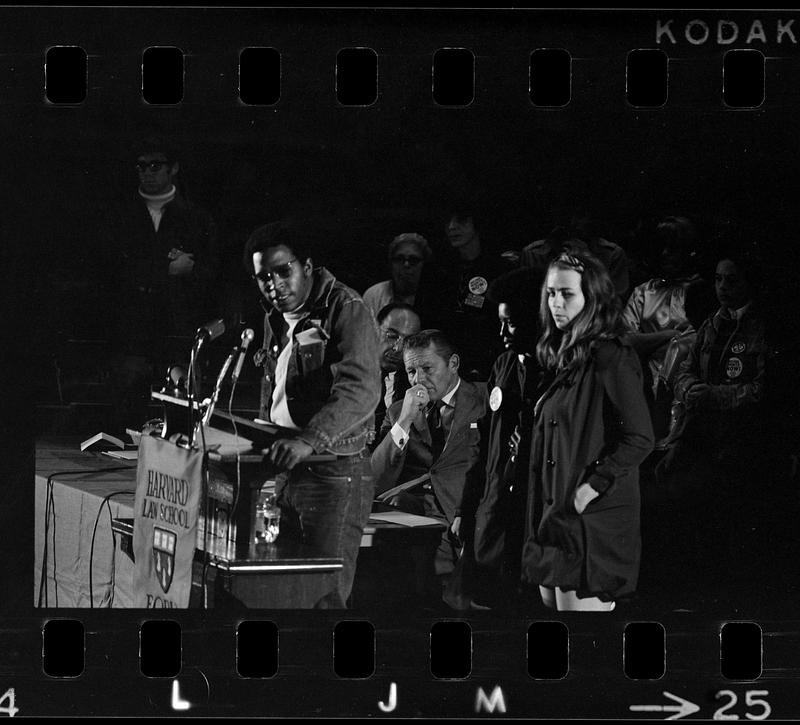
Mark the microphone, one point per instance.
(211, 330)
(176, 381)
(247, 338)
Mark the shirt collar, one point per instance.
(446, 399)
(736, 314)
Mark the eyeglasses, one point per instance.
(410, 260)
(392, 336)
(142, 166)
(280, 271)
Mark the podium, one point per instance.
(276, 575)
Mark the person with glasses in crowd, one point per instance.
(591, 430)
(164, 272)
(321, 381)
(396, 322)
(408, 254)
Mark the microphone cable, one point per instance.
(49, 513)
(204, 492)
(105, 503)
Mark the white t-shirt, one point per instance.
(279, 413)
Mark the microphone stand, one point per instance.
(222, 373)
(190, 385)
(209, 331)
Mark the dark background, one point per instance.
(366, 174)
(363, 175)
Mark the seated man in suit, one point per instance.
(433, 436)
(396, 321)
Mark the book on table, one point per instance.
(110, 446)
(102, 442)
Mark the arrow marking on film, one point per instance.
(682, 709)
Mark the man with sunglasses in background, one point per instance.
(408, 255)
(321, 380)
(164, 274)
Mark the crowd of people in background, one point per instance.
(512, 394)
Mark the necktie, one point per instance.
(437, 429)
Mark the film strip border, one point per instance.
(357, 78)
(500, 676)
(287, 59)
(266, 667)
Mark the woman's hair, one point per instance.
(411, 238)
(598, 320)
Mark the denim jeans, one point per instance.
(326, 506)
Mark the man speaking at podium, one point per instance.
(321, 378)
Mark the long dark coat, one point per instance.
(499, 520)
(591, 425)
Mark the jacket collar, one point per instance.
(735, 315)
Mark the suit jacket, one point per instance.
(457, 475)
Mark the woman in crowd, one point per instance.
(591, 431)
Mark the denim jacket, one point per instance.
(333, 380)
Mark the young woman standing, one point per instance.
(592, 429)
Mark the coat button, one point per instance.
(553, 422)
(551, 462)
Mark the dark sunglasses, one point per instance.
(282, 271)
(142, 166)
(401, 259)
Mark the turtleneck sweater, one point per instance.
(156, 203)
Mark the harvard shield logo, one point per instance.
(164, 556)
